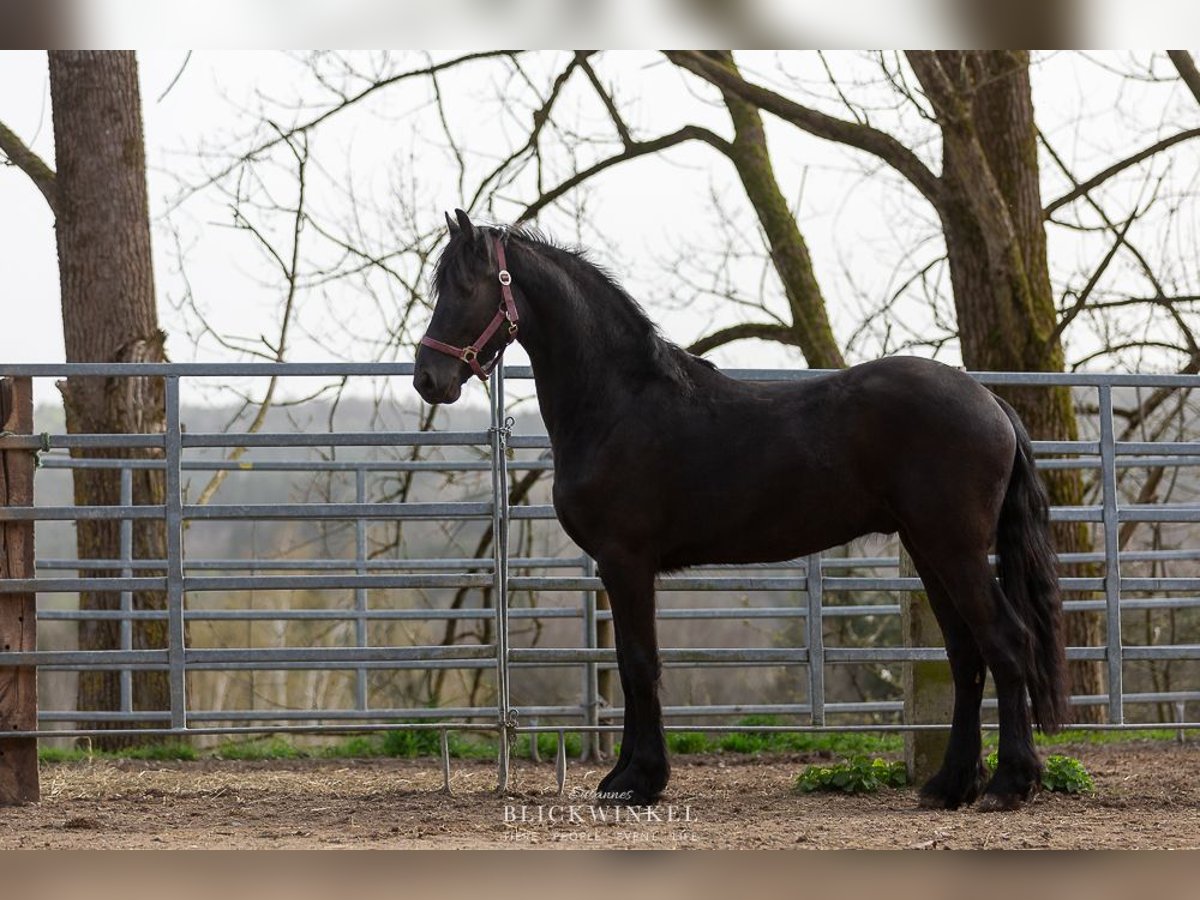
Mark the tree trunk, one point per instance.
(996, 243)
(810, 327)
(109, 315)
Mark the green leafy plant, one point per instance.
(1067, 775)
(859, 775)
(1063, 774)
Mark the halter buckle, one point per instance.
(469, 354)
(505, 277)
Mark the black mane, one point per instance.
(616, 322)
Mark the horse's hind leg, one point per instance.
(1001, 638)
(1018, 769)
(962, 774)
(642, 769)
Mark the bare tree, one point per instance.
(999, 302)
(97, 191)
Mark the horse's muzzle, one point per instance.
(436, 390)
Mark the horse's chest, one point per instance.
(595, 497)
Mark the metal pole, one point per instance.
(816, 641)
(591, 669)
(174, 523)
(360, 593)
(500, 430)
(126, 540)
(1112, 562)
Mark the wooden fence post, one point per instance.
(928, 685)
(18, 612)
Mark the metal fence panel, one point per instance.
(505, 573)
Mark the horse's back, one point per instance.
(753, 471)
(878, 447)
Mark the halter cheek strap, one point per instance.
(506, 313)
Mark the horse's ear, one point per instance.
(451, 224)
(464, 222)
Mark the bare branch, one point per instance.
(31, 164)
(860, 136)
(540, 117)
(1109, 224)
(1187, 70)
(633, 151)
(609, 104)
(1081, 301)
(1099, 178)
(763, 331)
(290, 272)
(344, 102)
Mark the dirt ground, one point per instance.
(1148, 796)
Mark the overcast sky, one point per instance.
(860, 227)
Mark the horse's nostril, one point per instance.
(422, 382)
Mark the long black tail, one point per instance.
(1028, 576)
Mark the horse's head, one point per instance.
(475, 316)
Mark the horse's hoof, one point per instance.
(1000, 802)
(623, 798)
(631, 786)
(936, 801)
(1011, 787)
(950, 789)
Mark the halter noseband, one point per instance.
(506, 313)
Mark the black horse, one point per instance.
(661, 462)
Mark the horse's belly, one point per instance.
(776, 532)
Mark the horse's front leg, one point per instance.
(642, 768)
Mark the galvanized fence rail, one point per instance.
(180, 578)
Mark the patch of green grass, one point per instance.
(547, 744)
(473, 747)
(1083, 736)
(859, 775)
(259, 748)
(357, 747)
(61, 755)
(158, 752)
(846, 743)
(688, 742)
(410, 743)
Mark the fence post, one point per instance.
(815, 640)
(176, 629)
(499, 432)
(360, 593)
(1112, 558)
(126, 541)
(18, 612)
(591, 669)
(928, 686)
